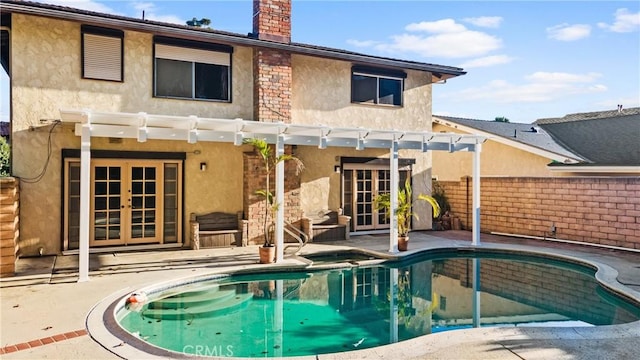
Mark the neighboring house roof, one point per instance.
(524, 136)
(439, 72)
(603, 138)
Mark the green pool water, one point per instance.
(335, 311)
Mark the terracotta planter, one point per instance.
(403, 242)
(267, 254)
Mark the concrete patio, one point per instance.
(44, 309)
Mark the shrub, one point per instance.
(5, 159)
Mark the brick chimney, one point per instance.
(272, 20)
(271, 103)
(272, 68)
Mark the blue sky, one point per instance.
(525, 60)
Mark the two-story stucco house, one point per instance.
(138, 110)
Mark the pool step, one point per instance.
(192, 289)
(190, 299)
(211, 308)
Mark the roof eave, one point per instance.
(516, 144)
(595, 169)
(439, 72)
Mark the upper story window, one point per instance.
(102, 53)
(377, 86)
(192, 70)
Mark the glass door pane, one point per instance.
(143, 203)
(361, 186)
(170, 203)
(73, 205)
(384, 187)
(363, 200)
(106, 205)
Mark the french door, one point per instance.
(361, 184)
(125, 199)
(132, 201)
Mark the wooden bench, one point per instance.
(218, 229)
(326, 226)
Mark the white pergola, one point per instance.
(143, 127)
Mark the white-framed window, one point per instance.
(102, 53)
(192, 70)
(377, 86)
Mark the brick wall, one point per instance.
(592, 209)
(546, 287)
(9, 224)
(272, 20)
(272, 83)
(254, 205)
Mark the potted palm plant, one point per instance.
(404, 212)
(269, 162)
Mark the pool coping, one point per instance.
(125, 345)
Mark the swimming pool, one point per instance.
(357, 307)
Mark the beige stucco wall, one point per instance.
(46, 76)
(322, 95)
(496, 159)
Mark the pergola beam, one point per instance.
(193, 129)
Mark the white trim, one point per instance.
(595, 169)
(194, 129)
(515, 144)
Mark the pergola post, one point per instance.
(85, 215)
(279, 197)
(395, 179)
(476, 195)
(144, 127)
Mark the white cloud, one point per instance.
(538, 87)
(81, 4)
(566, 32)
(626, 101)
(441, 38)
(143, 5)
(363, 43)
(485, 21)
(624, 22)
(437, 27)
(172, 19)
(487, 61)
(449, 45)
(559, 77)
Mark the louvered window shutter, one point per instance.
(102, 57)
